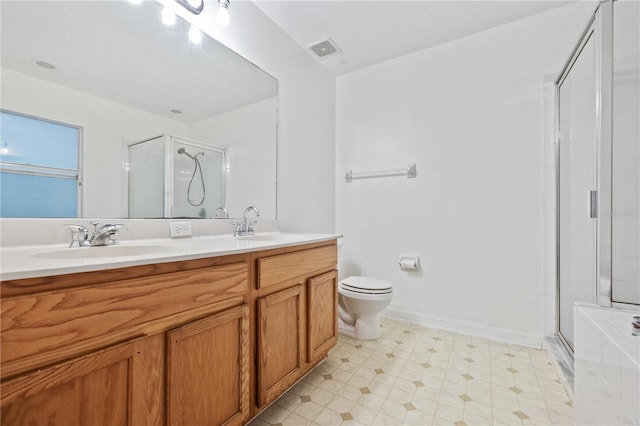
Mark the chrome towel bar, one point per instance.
(409, 172)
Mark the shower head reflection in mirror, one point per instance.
(197, 168)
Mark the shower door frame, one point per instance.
(600, 27)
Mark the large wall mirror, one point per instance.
(109, 112)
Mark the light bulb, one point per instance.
(168, 17)
(195, 35)
(223, 16)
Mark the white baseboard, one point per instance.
(464, 327)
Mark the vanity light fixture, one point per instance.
(195, 35)
(193, 6)
(168, 17)
(223, 12)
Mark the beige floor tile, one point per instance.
(308, 410)
(505, 417)
(418, 418)
(385, 420)
(479, 396)
(289, 401)
(333, 386)
(478, 409)
(384, 379)
(380, 389)
(476, 420)
(536, 412)
(505, 403)
(371, 401)
(449, 414)
(418, 376)
(328, 417)
(321, 396)
(425, 404)
(359, 381)
(451, 400)
(295, 420)
(350, 392)
(393, 409)
(274, 414)
(258, 422)
(313, 379)
(363, 414)
(341, 405)
(302, 388)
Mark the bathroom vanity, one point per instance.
(209, 333)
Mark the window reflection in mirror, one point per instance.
(39, 167)
(114, 70)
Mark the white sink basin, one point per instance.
(105, 252)
(269, 237)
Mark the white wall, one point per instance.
(306, 109)
(469, 113)
(249, 131)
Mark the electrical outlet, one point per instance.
(180, 229)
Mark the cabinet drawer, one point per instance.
(277, 269)
(50, 321)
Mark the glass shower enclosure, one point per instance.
(175, 177)
(598, 166)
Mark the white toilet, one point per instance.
(361, 300)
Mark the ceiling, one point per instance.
(123, 52)
(369, 32)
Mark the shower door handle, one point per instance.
(593, 204)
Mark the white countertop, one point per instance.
(26, 262)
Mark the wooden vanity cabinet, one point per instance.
(296, 314)
(206, 341)
(166, 347)
(322, 324)
(280, 342)
(119, 385)
(208, 370)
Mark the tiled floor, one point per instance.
(420, 376)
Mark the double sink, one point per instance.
(125, 250)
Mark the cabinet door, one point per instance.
(208, 370)
(322, 331)
(121, 385)
(280, 342)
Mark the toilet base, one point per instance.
(367, 327)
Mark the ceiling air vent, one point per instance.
(324, 48)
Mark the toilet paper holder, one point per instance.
(409, 263)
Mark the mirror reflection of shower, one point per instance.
(172, 176)
(197, 168)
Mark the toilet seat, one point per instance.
(366, 285)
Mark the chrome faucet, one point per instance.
(225, 213)
(244, 227)
(105, 235)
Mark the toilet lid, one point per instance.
(366, 285)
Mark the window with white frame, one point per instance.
(40, 172)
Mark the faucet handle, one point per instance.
(79, 234)
(250, 225)
(112, 230)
